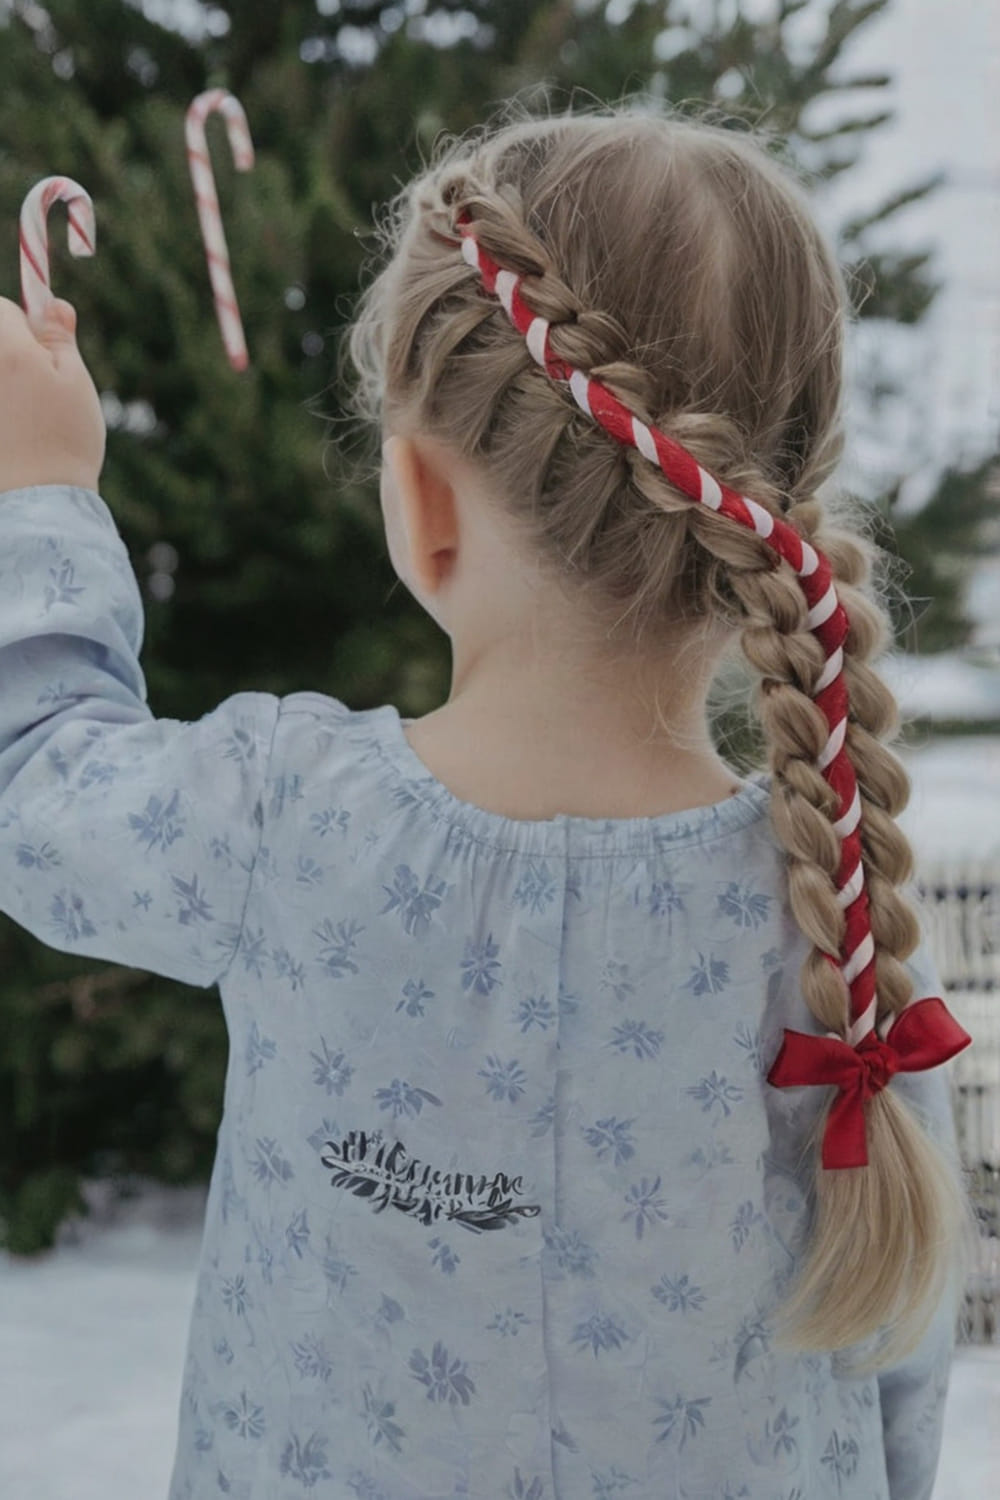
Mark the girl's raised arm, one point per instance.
(122, 836)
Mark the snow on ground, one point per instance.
(92, 1338)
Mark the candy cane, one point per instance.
(208, 207)
(36, 286)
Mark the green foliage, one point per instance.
(935, 545)
(282, 581)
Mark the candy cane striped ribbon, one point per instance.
(826, 618)
(36, 286)
(209, 214)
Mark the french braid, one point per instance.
(663, 516)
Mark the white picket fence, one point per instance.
(961, 907)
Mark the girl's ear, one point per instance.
(418, 496)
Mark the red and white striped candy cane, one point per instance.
(36, 286)
(826, 620)
(209, 215)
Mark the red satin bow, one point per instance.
(923, 1035)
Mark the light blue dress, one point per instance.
(502, 1201)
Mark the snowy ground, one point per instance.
(92, 1340)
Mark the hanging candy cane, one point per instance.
(36, 286)
(208, 207)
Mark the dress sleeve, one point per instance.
(913, 1393)
(122, 836)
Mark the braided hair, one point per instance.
(661, 282)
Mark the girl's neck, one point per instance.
(530, 738)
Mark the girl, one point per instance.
(526, 1184)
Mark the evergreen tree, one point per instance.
(260, 554)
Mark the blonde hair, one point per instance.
(678, 262)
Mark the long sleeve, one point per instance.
(122, 836)
(913, 1393)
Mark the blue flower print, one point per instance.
(503, 1080)
(752, 1341)
(778, 1435)
(520, 1489)
(679, 1295)
(614, 1135)
(335, 1268)
(747, 907)
(681, 1419)
(536, 889)
(297, 1233)
(748, 1038)
(771, 959)
(61, 588)
(336, 946)
(332, 1071)
(416, 907)
(285, 967)
(42, 858)
(841, 1456)
(507, 1322)
(708, 976)
(311, 1358)
(381, 1428)
(307, 872)
(716, 1090)
(543, 1119)
(193, 905)
(69, 918)
(240, 745)
(600, 1331)
(160, 824)
(535, 1010)
(716, 1154)
(244, 1417)
(612, 1484)
(323, 1135)
(480, 966)
(269, 1165)
(444, 1257)
(616, 979)
(744, 1222)
(142, 900)
(415, 992)
(570, 1251)
(446, 1379)
(644, 1206)
(251, 950)
(666, 897)
(305, 1462)
(638, 1037)
(235, 1295)
(404, 1099)
(223, 1350)
(326, 821)
(260, 1049)
(98, 773)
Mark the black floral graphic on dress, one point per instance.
(369, 1166)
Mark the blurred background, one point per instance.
(259, 548)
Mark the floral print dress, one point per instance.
(502, 1203)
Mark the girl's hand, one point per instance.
(51, 424)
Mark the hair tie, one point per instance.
(796, 1063)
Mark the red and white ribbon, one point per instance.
(36, 285)
(826, 617)
(209, 214)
